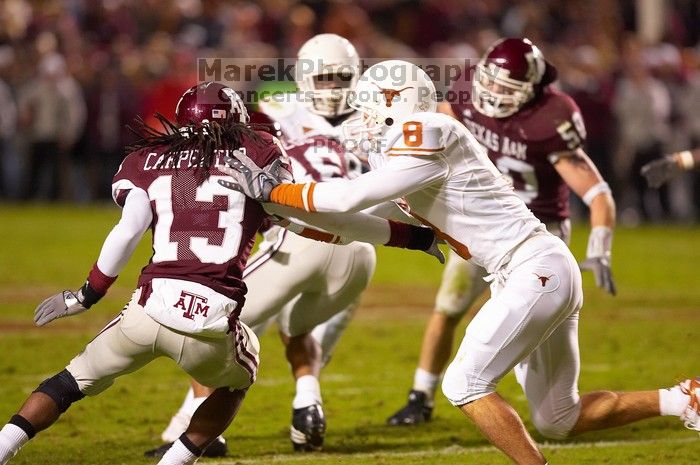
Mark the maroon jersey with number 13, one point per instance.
(201, 232)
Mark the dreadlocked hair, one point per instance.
(200, 140)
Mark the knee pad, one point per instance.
(554, 428)
(62, 388)
(460, 389)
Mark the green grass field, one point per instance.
(646, 337)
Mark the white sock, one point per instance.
(12, 438)
(308, 392)
(672, 401)
(425, 381)
(181, 420)
(178, 454)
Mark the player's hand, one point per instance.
(66, 303)
(660, 171)
(598, 258)
(600, 266)
(435, 251)
(249, 178)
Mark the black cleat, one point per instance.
(159, 451)
(308, 428)
(414, 412)
(218, 448)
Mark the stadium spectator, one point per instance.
(43, 111)
(112, 103)
(153, 44)
(642, 105)
(8, 126)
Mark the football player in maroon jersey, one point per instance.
(659, 172)
(190, 294)
(534, 134)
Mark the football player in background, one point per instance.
(314, 283)
(659, 172)
(190, 295)
(530, 322)
(534, 135)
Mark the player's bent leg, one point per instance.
(328, 333)
(210, 420)
(40, 410)
(607, 409)
(504, 428)
(462, 284)
(193, 399)
(531, 298)
(296, 262)
(308, 428)
(346, 273)
(230, 361)
(112, 353)
(549, 379)
(196, 395)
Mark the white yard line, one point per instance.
(460, 450)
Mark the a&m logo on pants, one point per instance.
(192, 304)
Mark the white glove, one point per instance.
(66, 303)
(598, 258)
(249, 178)
(435, 251)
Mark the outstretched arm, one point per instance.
(660, 171)
(116, 251)
(347, 227)
(400, 176)
(581, 175)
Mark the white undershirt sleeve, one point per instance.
(350, 227)
(125, 236)
(401, 175)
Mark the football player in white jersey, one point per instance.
(314, 283)
(546, 127)
(530, 322)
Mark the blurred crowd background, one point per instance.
(74, 72)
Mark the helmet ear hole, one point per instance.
(389, 121)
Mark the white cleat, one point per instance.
(691, 416)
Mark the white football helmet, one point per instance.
(387, 93)
(326, 71)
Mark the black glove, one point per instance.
(660, 171)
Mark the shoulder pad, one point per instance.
(419, 135)
(554, 115)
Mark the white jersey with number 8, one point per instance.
(450, 184)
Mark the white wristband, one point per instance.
(600, 188)
(686, 160)
(599, 242)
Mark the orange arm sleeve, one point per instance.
(294, 195)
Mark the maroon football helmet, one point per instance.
(209, 101)
(508, 76)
